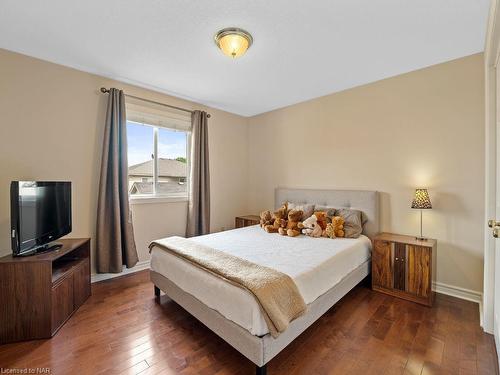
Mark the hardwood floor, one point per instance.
(121, 330)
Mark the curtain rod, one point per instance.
(106, 91)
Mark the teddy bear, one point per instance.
(291, 227)
(335, 228)
(277, 217)
(321, 218)
(266, 218)
(310, 227)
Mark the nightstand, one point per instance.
(404, 267)
(245, 221)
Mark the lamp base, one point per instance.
(421, 238)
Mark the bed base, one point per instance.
(259, 370)
(157, 293)
(258, 349)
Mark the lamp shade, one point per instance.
(233, 41)
(421, 200)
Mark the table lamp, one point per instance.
(421, 201)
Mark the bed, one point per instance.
(324, 270)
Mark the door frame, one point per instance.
(491, 58)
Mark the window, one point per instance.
(157, 160)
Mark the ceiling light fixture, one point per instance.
(233, 41)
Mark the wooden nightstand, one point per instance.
(404, 267)
(245, 221)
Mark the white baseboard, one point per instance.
(455, 291)
(143, 265)
(462, 293)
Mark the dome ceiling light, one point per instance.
(233, 41)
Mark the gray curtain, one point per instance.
(115, 236)
(198, 221)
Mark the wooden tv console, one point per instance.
(39, 293)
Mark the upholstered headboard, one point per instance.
(365, 201)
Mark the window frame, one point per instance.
(155, 197)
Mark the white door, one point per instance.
(496, 229)
(491, 296)
(494, 223)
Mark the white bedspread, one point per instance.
(315, 264)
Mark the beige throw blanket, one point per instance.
(275, 292)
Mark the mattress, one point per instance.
(315, 264)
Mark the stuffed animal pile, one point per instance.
(287, 222)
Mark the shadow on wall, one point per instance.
(385, 217)
(458, 265)
(5, 228)
(447, 207)
(450, 203)
(24, 173)
(451, 218)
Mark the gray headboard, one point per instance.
(365, 201)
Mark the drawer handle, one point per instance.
(397, 258)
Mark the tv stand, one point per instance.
(39, 293)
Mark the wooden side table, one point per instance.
(246, 220)
(404, 267)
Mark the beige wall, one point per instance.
(424, 128)
(51, 129)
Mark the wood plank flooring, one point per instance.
(121, 330)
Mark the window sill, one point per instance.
(153, 200)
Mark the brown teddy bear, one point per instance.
(335, 228)
(277, 217)
(321, 217)
(266, 218)
(292, 227)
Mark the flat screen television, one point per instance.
(40, 213)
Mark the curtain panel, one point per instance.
(115, 244)
(198, 221)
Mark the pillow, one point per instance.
(307, 208)
(324, 208)
(330, 212)
(353, 225)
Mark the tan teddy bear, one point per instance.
(292, 227)
(277, 217)
(335, 228)
(266, 218)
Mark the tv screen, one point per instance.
(40, 213)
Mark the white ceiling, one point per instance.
(302, 49)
